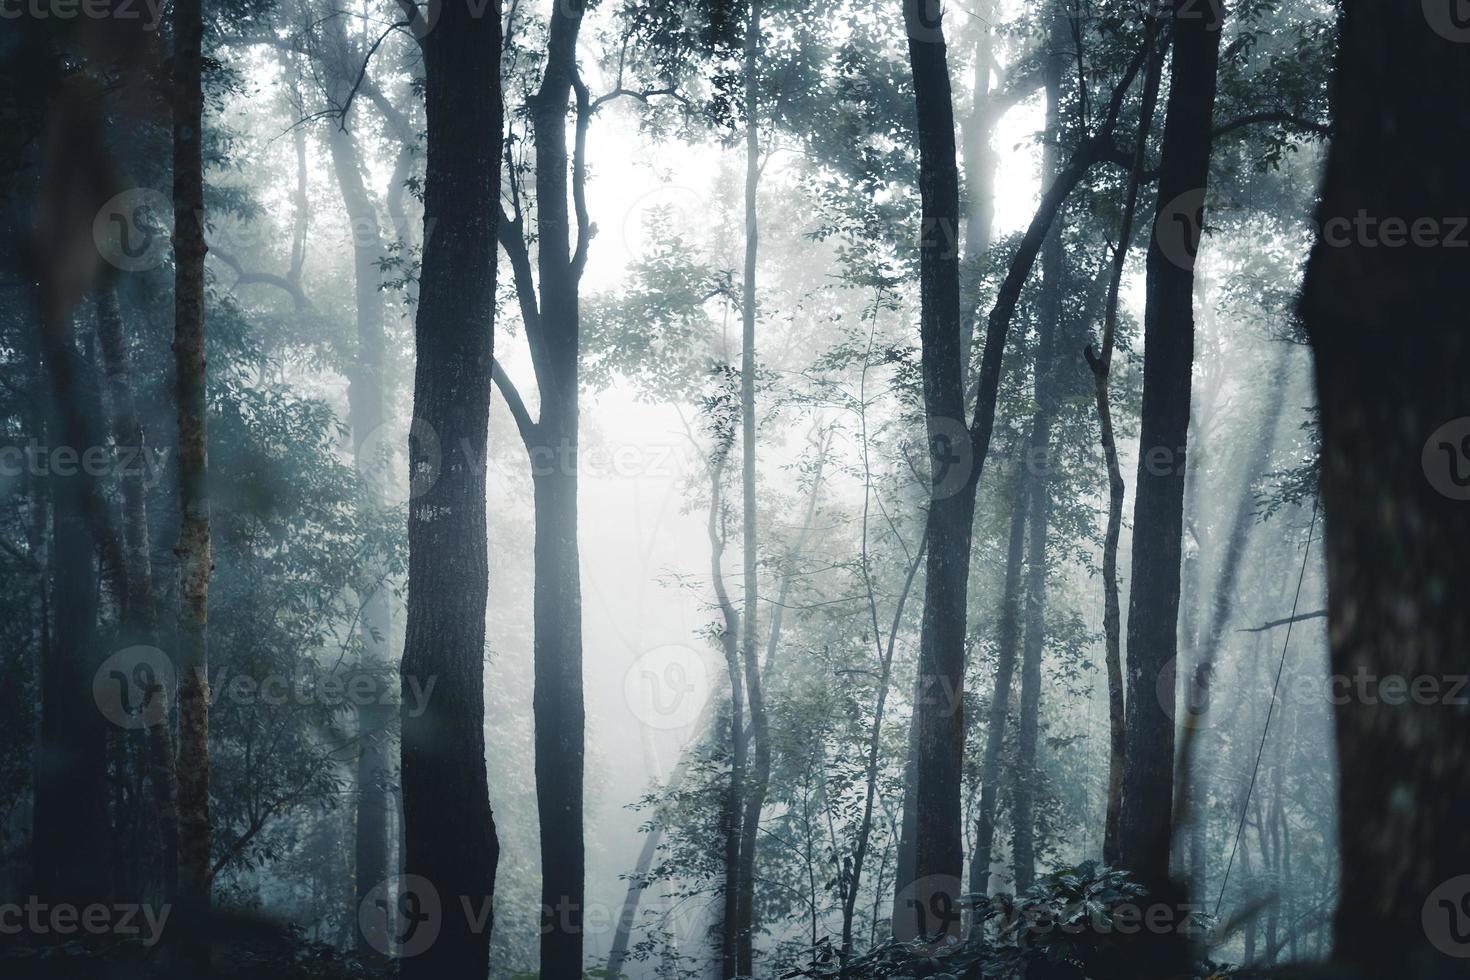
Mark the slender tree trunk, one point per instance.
(759, 774)
(980, 162)
(1049, 326)
(449, 830)
(193, 548)
(558, 699)
(1148, 777)
(1008, 640)
(140, 621)
(1387, 328)
(731, 810)
(366, 415)
(938, 715)
(1101, 364)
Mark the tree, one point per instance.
(1153, 610)
(196, 563)
(449, 830)
(1388, 339)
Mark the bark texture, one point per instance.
(449, 830)
(1153, 609)
(1388, 334)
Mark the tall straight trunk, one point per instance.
(1049, 315)
(938, 716)
(957, 451)
(730, 808)
(980, 162)
(1153, 611)
(557, 605)
(1008, 638)
(1387, 328)
(139, 614)
(449, 830)
(1101, 364)
(193, 548)
(366, 415)
(759, 774)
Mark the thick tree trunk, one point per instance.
(1387, 327)
(1148, 776)
(759, 773)
(449, 831)
(193, 548)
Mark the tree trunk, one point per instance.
(1049, 315)
(1101, 364)
(139, 614)
(366, 416)
(193, 548)
(558, 699)
(731, 811)
(1387, 329)
(1148, 778)
(449, 830)
(759, 774)
(1008, 638)
(938, 715)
